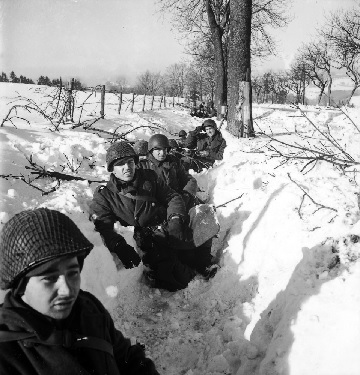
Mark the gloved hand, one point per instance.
(127, 254)
(175, 228)
(204, 153)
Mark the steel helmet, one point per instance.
(209, 123)
(141, 147)
(34, 237)
(182, 133)
(158, 141)
(118, 150)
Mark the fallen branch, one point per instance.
(320, 206)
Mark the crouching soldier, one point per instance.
(182, 138)
(209, 144)
(170, 170)
(47, 324)
(137, 197)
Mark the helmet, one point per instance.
(173, 143)
(209, 122)
(34, 237)
(182, 133)
(118, 150)
(141, 147)
(159, 141)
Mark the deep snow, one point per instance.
(286, 300)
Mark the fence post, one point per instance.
(143, 107)
(102, 110)
(173, 101)
(120, 102)
(152, 102)
(164, 101)
(132, 102)
(70, 110)
(161, 98)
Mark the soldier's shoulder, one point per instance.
(100, 189)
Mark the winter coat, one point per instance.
(202, 142)
(172, 173)
(88, 318)
(155, 203)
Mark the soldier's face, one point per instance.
(54, 292)
(210, 131)
(124, 169)
(159, 153)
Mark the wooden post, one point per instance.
(173, 101)
(161, 98)
(102, 110)
(59, 97)
(143, 107)
(70, 111)
(132, 102)
(303, 84)
(248, 130)
(164, 101)
(243, 108)
(152, 102)
(120, 103)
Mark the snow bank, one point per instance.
(285, 300)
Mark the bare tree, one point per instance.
(257, 87)
(149, 83)
(296, 80)
(311, 58)
(207, 22)
(176, 78)
(342, 32)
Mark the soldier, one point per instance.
(208, 143)
(170, 169)
(137, 197)
(182, 138)
(48, 325)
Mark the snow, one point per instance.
(285, 300)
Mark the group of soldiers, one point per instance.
(47, 324)
(197, 150)
(204, 110)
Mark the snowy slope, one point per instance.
(286, 299)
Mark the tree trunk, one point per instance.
(239, 70)
(220, 65)
(322, 88)
(329, 91)
(356, 85)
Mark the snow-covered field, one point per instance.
(286, 299)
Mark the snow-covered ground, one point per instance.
(286, 299)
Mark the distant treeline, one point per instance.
(42, 80)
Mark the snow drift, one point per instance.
(285, 300)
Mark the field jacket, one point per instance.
(202, 142)
(172, 173)
(144, 202)
(45, 354)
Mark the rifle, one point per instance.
(231, 200)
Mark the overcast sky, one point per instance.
(96, 39)
(99, 40)
(307, 16)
